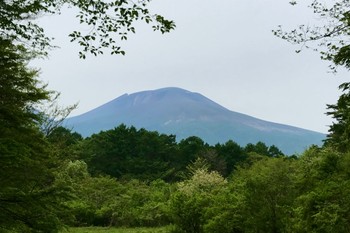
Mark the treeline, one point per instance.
(128, 177)
(127, 153)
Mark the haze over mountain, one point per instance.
(184, 113)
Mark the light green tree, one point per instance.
(322, 204)
(266, 193)
(193, 199)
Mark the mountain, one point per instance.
(184, 113)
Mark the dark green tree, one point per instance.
(190, 148)
(30, 199)
(232, 153)
(125, 152)
(261, 148)
(215, 162)
(274, 151)
(339, 131)
(65, 143)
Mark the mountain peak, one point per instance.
(166, 90)
(177, 111)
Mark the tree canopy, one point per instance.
(107, 20)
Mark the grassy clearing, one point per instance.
(117, 230)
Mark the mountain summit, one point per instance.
(184, 113)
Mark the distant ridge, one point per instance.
(183, 113)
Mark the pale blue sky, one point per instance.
(225, 51)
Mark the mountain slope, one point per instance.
(183, 113)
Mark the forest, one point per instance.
(128, 177)
(52, 179)
(135, 178)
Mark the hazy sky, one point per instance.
(225, 51)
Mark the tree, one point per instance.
(190, 148)
(64, 143)
(332, 41)
(107, 20)
(339, 132)
(260, 148)
(331, 37)
(266, 194)
(105, 201)
(215, 162)
(30, 199)
(125, 152)
(20, 88)
(322, 183)
(193, 198)
(232, 153)
(53, 114)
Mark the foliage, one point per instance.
(20, 89)
(331, 35)
(190, 148)
(64, 143)
(193, 167)
(339, 131)
(215, 162)
(263, 193)
(323, 184)
(232, 153)
(118, 230)
(202, 202)
(129, 153)
(309, 194)
(33, 189)
(107, 20)
(267, 189)
(224, 215)
(104, 201)
(30, 198)
(260, 148)
(193, 198)
(53, 115)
